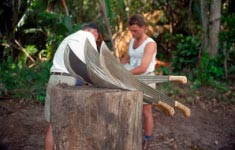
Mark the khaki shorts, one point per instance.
(153, 85)
(53, 81)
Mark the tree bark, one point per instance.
(102, 5)
(204, 19)
(87, 118)
(64, 5)
(215, 12)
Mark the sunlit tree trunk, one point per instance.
(214, 26)
(64, 5)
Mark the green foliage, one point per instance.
(83, 10)
(186, 54)
(209, 72)
(116, 18)
(54, 26)
(206, 71)
(31, 50)
(227, 42)
(40, 31)
(45, 53)
(24, 82)
(119, 11)
(42, 25)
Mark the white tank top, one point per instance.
(137, 54)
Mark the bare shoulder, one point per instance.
(151, 46)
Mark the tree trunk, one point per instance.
(64, 6)
(215, 12)
(87, 118)
(103, 8)
(204, 19)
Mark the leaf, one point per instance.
(31, 49)
(67, 22)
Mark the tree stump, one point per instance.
(89, 118)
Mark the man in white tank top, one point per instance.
(140, 59)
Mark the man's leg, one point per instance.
(148, 119)
(148, 125)
(49, 141)
(53, 81)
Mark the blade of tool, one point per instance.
(102, 78)
(74, 65)
(97, 75)
(115, 69)
(147, 79)
(79, 69)
(154, 96)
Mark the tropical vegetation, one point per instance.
(196, 36)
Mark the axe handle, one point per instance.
(186, 111)
(165, 107)
(182, 79)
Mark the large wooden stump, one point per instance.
(88, 118)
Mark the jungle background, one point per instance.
(195, 38)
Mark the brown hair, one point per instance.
(91, 25)
(136, 20)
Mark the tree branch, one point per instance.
(25, 52)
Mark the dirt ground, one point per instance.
(210, 127)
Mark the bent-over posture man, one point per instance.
(140, 59)
(59, 73)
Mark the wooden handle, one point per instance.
(182, 79)
(166, 108)
(186, 111)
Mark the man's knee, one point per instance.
(147, 109)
